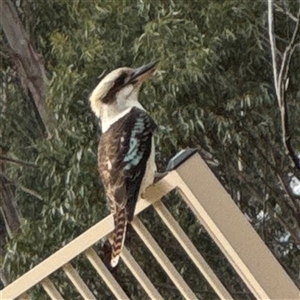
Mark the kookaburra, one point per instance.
(126, 148)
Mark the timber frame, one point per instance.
(216, 211)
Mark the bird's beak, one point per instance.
(142, 73)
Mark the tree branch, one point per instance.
(30, 192)
(7, 206)
(272, 43)
(16, 161)
(31, 69)
(296, 45)
(281, 81)
(280, 9)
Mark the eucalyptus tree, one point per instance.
(214, 91)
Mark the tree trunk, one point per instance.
(9, 214)
(30, 65)
(7, 206)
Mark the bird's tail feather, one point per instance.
(119, 235)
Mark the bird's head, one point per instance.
(119, 90)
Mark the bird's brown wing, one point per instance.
(123, 153)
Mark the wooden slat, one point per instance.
(105, 274)
(78, 282)
(51, 290)
(231, 231)
(140, 275)
(80, 244)
(162, 259)
(191, 251)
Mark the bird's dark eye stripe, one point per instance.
(120, 79)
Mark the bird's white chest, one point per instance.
(112, 114)
(106, 122)
(150, 170)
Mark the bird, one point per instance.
(126, 150)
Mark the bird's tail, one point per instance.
(119, 235)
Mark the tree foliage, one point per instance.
(213, 91)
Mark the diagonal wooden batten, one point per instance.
(231, 231)
(191, 251)
(105, 274)
(80, 244)
(139, 274)
(162, 259)
(50, 289)
(79, 284)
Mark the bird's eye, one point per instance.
(120, 80)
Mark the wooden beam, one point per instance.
(80, 244)
(191, 251)
(162, 259)
(231, 231)
(105, 274)
(219, 215)
(79, 284)
(140, 275)
(51, 290)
